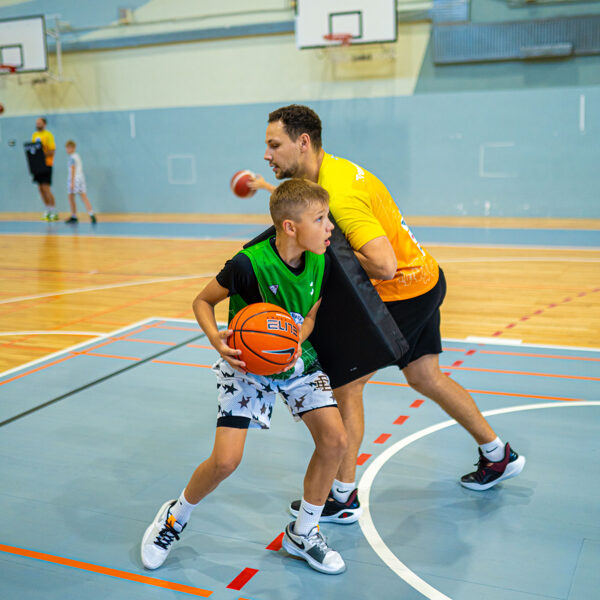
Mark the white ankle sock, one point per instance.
(308, 517)
(493, 450)
(341, 491)
(182, 509)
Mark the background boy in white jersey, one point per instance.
(76, 184)
(407, 279)
(294, 259)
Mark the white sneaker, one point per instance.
(159, 537)
(314, 550)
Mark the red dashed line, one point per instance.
(363, 458)
(417, 403)
(276, 543)
(470, 352)
(542, 310)
(400, 420)
(457, 363)
(447, 373)
(242, 579)
(383, 438)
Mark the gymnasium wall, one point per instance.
(162, 127)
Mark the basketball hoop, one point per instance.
(345, 39)
(8, 69)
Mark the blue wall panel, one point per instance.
(508, 153)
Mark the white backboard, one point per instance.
(369, 21)
(23, 43)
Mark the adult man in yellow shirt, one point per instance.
(408, 280)
(44, 179)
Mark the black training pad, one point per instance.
(36, 159)
(354, 332)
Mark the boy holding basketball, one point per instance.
(287, 270)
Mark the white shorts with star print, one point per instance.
(253, 396)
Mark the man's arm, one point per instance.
(377, 258)
(204, 309)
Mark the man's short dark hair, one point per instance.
(43, 119)
(298, 119)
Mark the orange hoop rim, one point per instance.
(345, 39)
(8, 68)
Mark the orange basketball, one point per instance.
(239, 184)
(267, 336)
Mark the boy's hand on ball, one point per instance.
(229, 353)
(294, 360)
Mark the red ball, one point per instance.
(267, 336)
(239, 184)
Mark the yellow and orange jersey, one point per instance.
(47, 140)
(364, 210)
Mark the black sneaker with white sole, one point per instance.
(334, 511)
(313, 548)
(490, 473)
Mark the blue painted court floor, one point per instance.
(574, 238)
(95, 438)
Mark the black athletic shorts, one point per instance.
(44, 177)
(419, 320)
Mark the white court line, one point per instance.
(109, 286)
(471, 339)
(366, 481)
(92, 333)
(433, 243)
(64, 351)
(198, 238)
(520, 259)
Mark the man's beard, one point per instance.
(288, 173)
(39, 128)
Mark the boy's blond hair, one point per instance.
(71, 143)
(291, 198)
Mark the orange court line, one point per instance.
(539, 355)
(180, 328)
(200, 346)
(506, 372)
(532, 354)
(126, 339)
(113, 309)
(55, 362)
(111, 356)
(77, 564)
(71, 354)
(182, 364)
(493, 393)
